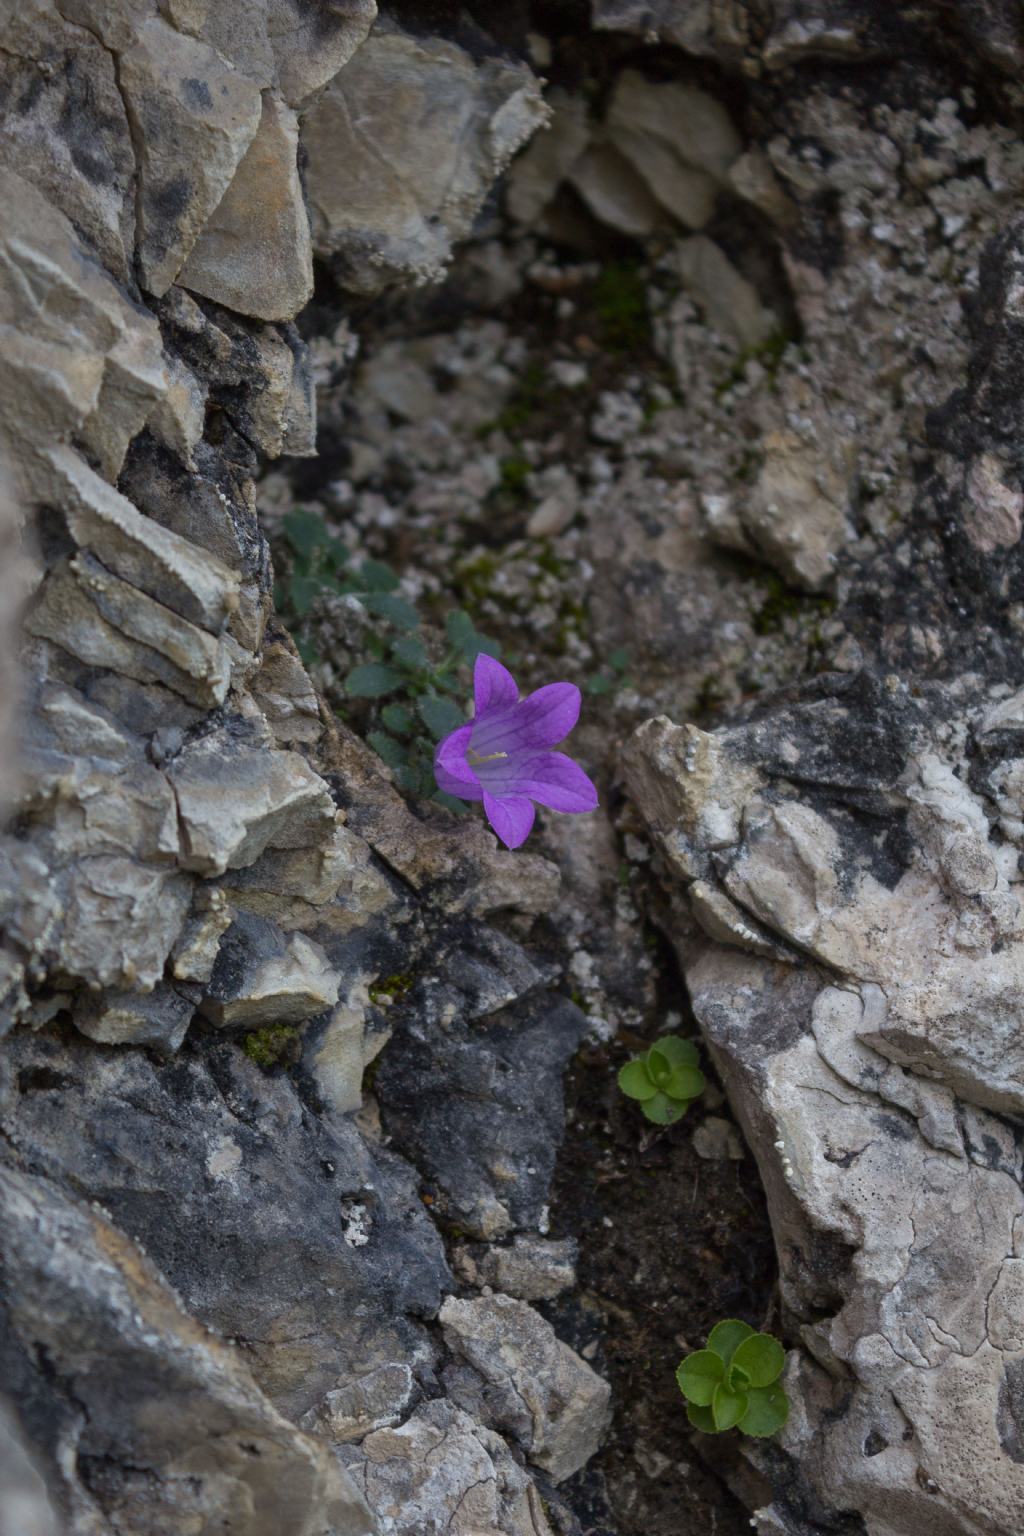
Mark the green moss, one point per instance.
(267, 1047)
(784, 603)
(532, 393)
(514, 472)
(769, 353)
(620, 299)
(390, 988)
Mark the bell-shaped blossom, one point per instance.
(503, 755)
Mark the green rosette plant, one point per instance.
(665, 1081)
(734, 1382)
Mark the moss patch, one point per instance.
(267, 1047)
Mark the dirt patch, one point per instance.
(669, 1243)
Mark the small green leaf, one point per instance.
(767, 1411)
(308, 652)
(599, 685)
(303, 592)
(762, 1358)
(377, 576)
(728, 1407)
(699, 1375)
(726, 1337)
(449, 683)
(619, 659)
(398, 719)
(685, 1083)
(459, 628)
(410, 651)
(659, 1067)
(702, 1419)
(635, 1080)
(387, 748)
(662, 1110)
(680, 1053)
(304, 531)
(736, 1378)
(488, 646)
(372, 681)
(395, 609)
(449, 801)
(440, 715)
(414, 780)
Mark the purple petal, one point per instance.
(494, 687)
(451, 770)
(542, 720)
(511, 817)
(554, 780)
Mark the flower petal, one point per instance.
(511, 817)
(494, 687)
(451, 770)
(554, 780)
(541, 720)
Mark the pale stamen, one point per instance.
(475, 757)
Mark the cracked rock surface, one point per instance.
(680, 346)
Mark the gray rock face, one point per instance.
(865, 1063)
(402, 148)
(274, 1227)
(165, 1420)
(488, 1141)
(535, 1387)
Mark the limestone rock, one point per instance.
(173, 1413)
(532, 1268)
(158, 1019)
(537, 1388)
(443, 1472)
(262, 977)
(487, 1140)
(402, 148)
(274, 1225)
(378, 1400)
(65, 129)
(611, 189)
(730, 303)
(193, 118)
(254, 252)
(537, 172)
(236, 799)
(25, 1506)
(120, 919)
(679, 139)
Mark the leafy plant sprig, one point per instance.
(420, 709)
(734, 1382)
(614, 677)
(665, 1081)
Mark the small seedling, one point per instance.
(665, 1081)
(734, 1381)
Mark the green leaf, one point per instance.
(377, 576)
(414, 780)
(659, 1067)
(702, 1419)
(737, 1379)
(767, 1411)
(726, 1337)
(762, 1358)
(727, 1407)
(440, 715)
(699, 1375)
(387, 748)
(410, 651)
(372, 680)
(680, 1053)
(449, 683)
(395, 609)
(336, 551)
(442, 798)
(662, 1110)
(303, 592)
(398, 719)
(459, 628)
(685, 1083)
(308, 652)
(635, 1080)
(487, 645)
(599, 685)
(304, 531)
(619, 659)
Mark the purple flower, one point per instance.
(502, 755)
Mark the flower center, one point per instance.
(476, 757)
